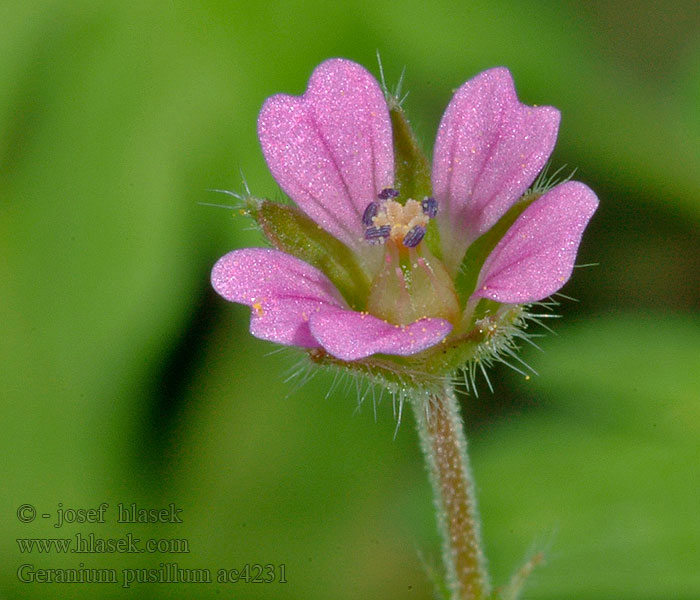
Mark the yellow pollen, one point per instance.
(401, 218)
(258, 309)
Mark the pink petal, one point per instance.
(536, 256)
(283, 292)
(350, 335)
(489, 149)
(331, 149)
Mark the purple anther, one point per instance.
(370, 212)
(429, 205)
(414, 237)
(387, 193)
(377, 235)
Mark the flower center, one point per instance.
(404, 224)
(411, 283)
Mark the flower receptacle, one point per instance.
(412, 285)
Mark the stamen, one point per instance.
(405, 224)
(414, 236)
(387, 193)
(430, 206)
(369, 214)
(377, 235)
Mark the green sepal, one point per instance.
(483, 342)
(291, 231)
(412, 170)
(411, 167)
(432, 238)
(478, 252)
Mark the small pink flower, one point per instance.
(332, 152)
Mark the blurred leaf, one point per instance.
(103, 252)
(643, 132)
(602, 476)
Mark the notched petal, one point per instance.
(536, 256)
(349, 335)
(330, 149)
(489, 149)
(282, 291)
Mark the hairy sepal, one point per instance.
(291, 231)
(412, 170)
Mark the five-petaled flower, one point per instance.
(419, 260)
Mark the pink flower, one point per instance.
(332, 152)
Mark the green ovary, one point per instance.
(411, 285)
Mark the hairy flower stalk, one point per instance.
(403, 272)
(445, 449)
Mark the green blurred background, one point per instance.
(124, 379)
